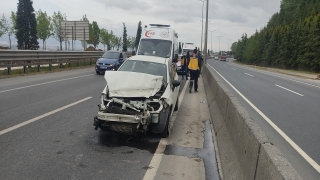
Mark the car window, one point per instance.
(145, 67)
(111, 55)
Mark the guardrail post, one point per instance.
(38, 67)
(60, 65)
(9, 70)
(50, 65)
(25, 69)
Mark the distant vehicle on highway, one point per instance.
(110, 60)
(223, 57)
(216, 58)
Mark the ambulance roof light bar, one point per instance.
(159, 25)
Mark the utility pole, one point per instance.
(219, 44)
(228, 44)
(202, 23)
(206, 36)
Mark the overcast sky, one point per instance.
(229, 18)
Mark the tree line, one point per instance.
(28, 26)
(291, 38)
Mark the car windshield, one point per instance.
(155, 47)
(111, 55)
(145, 67)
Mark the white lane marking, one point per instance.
(44, 83)
(157, 157)
(279, 76)
(293, 144)
(233, 68)
(289, 90)
(41, 116)
(249, 74)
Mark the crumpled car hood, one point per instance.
(132, 84)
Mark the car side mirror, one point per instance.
(175, 83)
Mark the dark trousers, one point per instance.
(184, 71)
(194, 75)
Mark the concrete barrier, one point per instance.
(245, 151)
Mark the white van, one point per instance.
(159, 40)
(188, 47)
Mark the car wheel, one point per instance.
(176, 107)
(97, 72)
(166, 131)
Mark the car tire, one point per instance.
(166, 131)
(97, 72)
(176, 107)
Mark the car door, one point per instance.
(173, 76)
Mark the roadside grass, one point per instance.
(297, 73)
(44, 69)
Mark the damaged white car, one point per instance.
(139, 97)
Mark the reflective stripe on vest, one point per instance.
(193, 64)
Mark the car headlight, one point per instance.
(112, 64)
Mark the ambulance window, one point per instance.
(155, 47)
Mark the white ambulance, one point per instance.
(159, 40)
(188, 47)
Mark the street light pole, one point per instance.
(219, 44)
(211, 39)
(206, 35)
(202, 23)
(228, 44)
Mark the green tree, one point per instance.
(105, 38)
(112, 40)
(117, 41)
(124, 39)
(12, 29)
(138, 36)
(58, 33)
(2, 25)
(8, 28)
(94, 34)
(43, 27)
(132, 42)
(84, 18)
(26, 26)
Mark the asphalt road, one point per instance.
(57, 139)
(292, 104)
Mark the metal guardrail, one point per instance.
(24, 58)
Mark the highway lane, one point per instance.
(291, 103)
(63, 144)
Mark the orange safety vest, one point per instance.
(193, 64)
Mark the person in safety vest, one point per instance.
(184, 66)
(194, 69)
